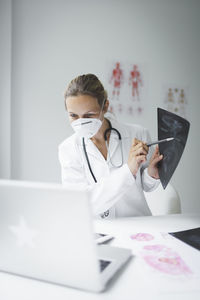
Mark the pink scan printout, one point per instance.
(142, 237)
(160, 257)
(164, 259)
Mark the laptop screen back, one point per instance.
(46, 233)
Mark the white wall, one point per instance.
(54, 41)
(5, 86)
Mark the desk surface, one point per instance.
(127, 284)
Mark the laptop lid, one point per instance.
(46, 233)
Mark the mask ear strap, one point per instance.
(102, 107)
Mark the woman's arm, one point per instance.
(148, 168)
(116, 186)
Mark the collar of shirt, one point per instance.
(114, 141)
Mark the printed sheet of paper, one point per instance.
(166, 263)
(175, 99)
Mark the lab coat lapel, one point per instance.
(114, 142)
(93, 150)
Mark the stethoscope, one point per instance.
(108, 130)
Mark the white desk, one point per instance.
(128, 284)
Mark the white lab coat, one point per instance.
(116, 190)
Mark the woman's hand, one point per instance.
(137, 155)
(153, 168)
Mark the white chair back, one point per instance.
(164, 202)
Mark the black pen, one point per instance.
(161, 141)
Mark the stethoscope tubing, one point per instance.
(105, 214)
(106, 138)
(110, 129)
(87, 159)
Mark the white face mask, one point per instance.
(86, 127)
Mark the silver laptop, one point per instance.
(46, 233)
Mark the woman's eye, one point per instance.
(90, 115)
(72, 115)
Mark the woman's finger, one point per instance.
(135, 142)
(139, 151)
(146, 147)
(141, 158)
(140, 145)
(157, 159)
(156, 153)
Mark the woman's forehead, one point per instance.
(82, 102)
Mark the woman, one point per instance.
(113, 164)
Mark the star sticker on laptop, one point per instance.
(24, 235)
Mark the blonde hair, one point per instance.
(87, 84)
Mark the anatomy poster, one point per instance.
(176, 99)
(127, 88)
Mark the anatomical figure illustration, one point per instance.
(116, 80)
(135, 81)
(175, 101)
(126, 89)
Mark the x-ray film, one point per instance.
(191, 237)
(170, 125)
